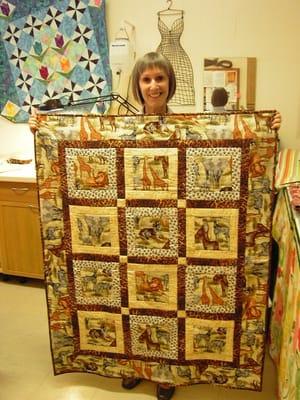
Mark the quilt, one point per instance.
(51, 49)
(156, 234)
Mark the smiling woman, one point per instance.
(153, 83)
(154, 87)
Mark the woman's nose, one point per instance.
(153, 83)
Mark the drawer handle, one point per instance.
(16, 189)
(33, 207)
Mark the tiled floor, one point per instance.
(26, 369)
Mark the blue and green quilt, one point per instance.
(51, 49)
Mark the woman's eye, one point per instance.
(146, 80)
(159, 78)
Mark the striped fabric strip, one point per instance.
(288, 168)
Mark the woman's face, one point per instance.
(154, 87)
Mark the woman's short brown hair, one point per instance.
(151, 60)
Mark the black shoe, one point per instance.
(130, 383)
(164, 393)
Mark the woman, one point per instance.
(153, 85)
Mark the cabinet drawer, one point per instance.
(18, 191)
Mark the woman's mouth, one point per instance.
(154, 95)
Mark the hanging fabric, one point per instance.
(157, 235)
(49, 50)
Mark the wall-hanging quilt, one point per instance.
(51, 49)
(156, 233)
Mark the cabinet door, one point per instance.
(20, 240)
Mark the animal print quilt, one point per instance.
(156, 233)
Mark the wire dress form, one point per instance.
(171, 48)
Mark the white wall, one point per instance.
(268, 30)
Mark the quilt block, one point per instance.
(156, 233)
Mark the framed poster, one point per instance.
(229, 84)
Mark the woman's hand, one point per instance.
(33, 122)
(276, 121)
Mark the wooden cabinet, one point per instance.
(20, 236)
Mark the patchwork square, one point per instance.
(100, 331)
(212, 233)
(154, 336)
(151, 173)
(152, 231)
(94, 230)
(97, 282)
(209, 340)
(150, 286)
(213, 173)
(211, 289)
(91, 173)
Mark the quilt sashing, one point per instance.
(51, 49)
(156, 233)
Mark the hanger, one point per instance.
(122, 34)
(170, 11)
